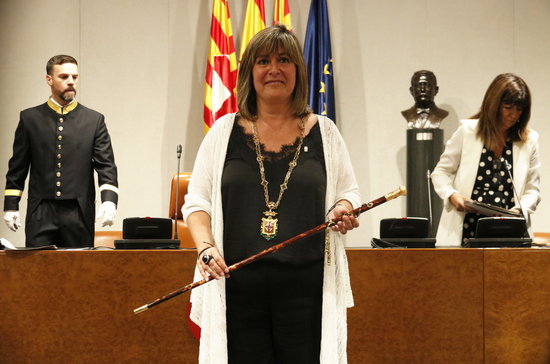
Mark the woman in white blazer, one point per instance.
(474, 163)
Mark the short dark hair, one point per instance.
(506, 88)
(269, 40)
(58, 60)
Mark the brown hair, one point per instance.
(269, 40)
(509, 89)
(58, 60)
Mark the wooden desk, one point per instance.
(416, 306)
(517, 306)
(77, 307)
(411, 306)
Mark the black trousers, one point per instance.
(58, 222)
(274, 313)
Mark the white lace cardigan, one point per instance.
(204, 194)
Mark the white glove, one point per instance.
(12, 219)
(106, 213)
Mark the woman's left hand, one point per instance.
(348, 221)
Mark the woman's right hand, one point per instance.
(199, 223)
(214, 266)
(458, 200)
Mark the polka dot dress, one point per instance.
(492, 186)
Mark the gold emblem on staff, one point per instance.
(269, 226)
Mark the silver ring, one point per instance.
(206, 258)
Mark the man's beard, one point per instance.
(65, 96)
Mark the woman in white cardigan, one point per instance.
(261, 176)
(476, 158)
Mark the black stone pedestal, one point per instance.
(424, 147)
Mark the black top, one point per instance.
(492, 186)
(302, 206)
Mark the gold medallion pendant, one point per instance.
(269, 226)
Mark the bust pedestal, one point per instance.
(424, 148)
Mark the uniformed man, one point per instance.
(62, 142)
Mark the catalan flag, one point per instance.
(221, 83)
(221, 69)
(282, 13)
(254, 21)
(318, 55)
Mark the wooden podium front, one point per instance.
(416, 306)
(77, 307)
(411, 306)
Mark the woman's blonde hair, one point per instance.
(269, 40)
(507, 89)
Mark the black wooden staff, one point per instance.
(364, 207)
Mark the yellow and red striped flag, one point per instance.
(254, 21)
(282, 13)
(221, 69)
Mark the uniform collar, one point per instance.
(62, 110)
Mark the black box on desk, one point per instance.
(147, 233)
(500, 232)
(146, 228)
(404, 232)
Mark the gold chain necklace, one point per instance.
(270, 225)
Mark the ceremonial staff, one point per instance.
(364, 207)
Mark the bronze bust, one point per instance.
(424, 114)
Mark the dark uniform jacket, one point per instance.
(62, 147)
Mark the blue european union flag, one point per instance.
(318, 55)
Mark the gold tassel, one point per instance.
(327, 246)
